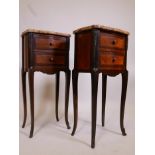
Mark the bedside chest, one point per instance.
(100, 49)
(46, 52)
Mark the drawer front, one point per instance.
(111, 59)
(41, 59)
(46, 42)
(112, 41)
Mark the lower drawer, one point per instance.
(111, 59)
(40, 59)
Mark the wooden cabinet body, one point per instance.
(100, 49)
(46, 52)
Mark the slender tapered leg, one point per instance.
(57, 95)
(123, 98)
(94, 83)
(75, 99)
(104, 88)
(24, 97)
(67, 75)
(31, 87)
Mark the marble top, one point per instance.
(45, 32)
(102, 27)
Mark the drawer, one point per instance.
(111, 59)
(42, 59)
(46, 42)
(112, 41)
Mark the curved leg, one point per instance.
(94, 83)
(31, 87)
(123, 98)
(75, 99)
(57, 95)
(104, 86)
(67, 75)
(24, 96)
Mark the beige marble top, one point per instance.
(102, 27)
(45, 32)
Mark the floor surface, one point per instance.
(53, 138)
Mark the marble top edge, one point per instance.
(103, 27)
(45, 32)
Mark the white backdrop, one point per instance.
(66, 16)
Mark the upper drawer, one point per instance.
(43, 42)
(112, 41)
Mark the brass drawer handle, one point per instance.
(51, 59)
(51, 44)
(113, 60)
(114, 42)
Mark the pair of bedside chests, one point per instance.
(98, 49)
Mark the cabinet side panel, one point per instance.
(83, 50)
(25, 52)
(68, 48)
(126, 49)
